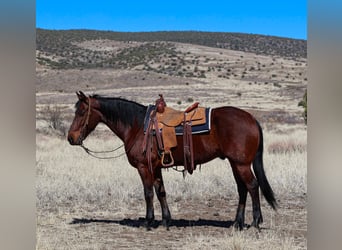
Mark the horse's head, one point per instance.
(87, 116)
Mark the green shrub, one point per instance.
(304, 103)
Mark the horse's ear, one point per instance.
(81, 96)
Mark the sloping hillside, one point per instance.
(62, 46)
(267, 75)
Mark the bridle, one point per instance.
(92, 152)
(85, 125)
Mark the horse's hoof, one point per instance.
(166, 223)
(149, 224)
(256, 222)
(256, 226)
(239, 225)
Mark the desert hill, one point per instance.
(264, 74)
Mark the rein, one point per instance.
(92, 153)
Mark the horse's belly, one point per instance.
(204, 150)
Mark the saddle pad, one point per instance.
(196, 129)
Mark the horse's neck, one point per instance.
(118, 129)
(121, 129)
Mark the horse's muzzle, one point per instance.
(74, 141)
(71, 140)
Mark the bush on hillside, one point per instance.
(304, 103)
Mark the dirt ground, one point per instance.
(195, 221)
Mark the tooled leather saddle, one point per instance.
(166, 123)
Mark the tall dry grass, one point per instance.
(69, 180)
(246, 240)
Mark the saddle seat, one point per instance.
(171, 118)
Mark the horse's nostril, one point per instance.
(71, 141)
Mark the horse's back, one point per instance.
(232, 113)
(232, 118)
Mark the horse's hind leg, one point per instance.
(161, 194)
(242, 190)
(246, 181)
(147, 180)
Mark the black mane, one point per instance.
(117, 109)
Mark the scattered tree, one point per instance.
(304, 103)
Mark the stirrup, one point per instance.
(167, 164)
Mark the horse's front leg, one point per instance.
(147, 180)
(161, 194)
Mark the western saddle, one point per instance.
(162, 123)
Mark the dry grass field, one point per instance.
(87, 203)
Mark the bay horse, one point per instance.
(235, 135)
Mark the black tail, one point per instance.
(258, 167)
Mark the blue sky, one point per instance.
(286, 18)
